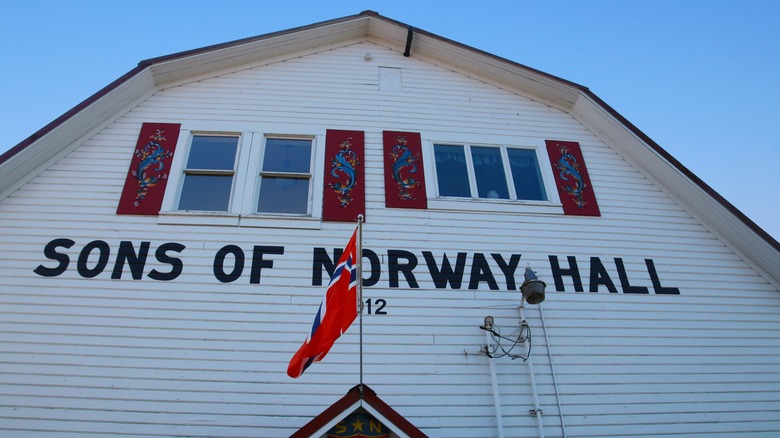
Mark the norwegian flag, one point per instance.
(337, 311)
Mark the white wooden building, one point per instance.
(171, 304)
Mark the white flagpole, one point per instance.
(359, 257)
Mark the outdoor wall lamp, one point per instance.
(533, 293)
(532, 288)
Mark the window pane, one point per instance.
(213, 153)
(205, 192)
(489, 171)
(283, 195)
(451, 171)
(287, 155)
(526, 174)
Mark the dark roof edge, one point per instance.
(206, 49)
(687, 172)
(69, 114)
(355, 394)
(145, 64)
(148, 62)
(391, 414)
(655, 146)
(475, 50)
(328, 414)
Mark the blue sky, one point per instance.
(700, 77)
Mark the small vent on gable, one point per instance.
(390, 79)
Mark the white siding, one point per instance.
(195, 357)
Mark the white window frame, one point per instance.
(179, 169)
(255, 166)
(474, 202)
(244, 194)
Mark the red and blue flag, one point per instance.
(336, 313)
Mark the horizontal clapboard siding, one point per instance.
(196, 357)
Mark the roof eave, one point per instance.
(89, 114)
(178, 66)
(477, 63)
(707, 205)
(18, 164)
(359, 395)
(165, 69)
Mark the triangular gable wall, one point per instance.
(357, 397)
(721, 217)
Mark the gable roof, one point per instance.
(699, 199)
(360, 396)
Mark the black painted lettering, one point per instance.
(599, 276)
(83, 262)
(559, 273)
(657, 288)
(127, 254)
(50, 252)
(446, 274)
(258, 263)
(380, 310)
(480, 271)
(624, 283)
(321, 260)
(374, 266)
(238, 263)
(508, 268)
(381, 303)
(161, 254)
(394, 267)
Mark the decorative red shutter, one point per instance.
(148, 175)
(344, 191)
(404, 173)
(571, 178)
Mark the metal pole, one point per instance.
(359, 262)
(536, 411)
(552, 371)
(494, 382)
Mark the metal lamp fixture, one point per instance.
(533, 293)
(532, 288)
(488, 325)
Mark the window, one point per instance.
(488, 172)
(452, 171)
(526, 176)
(208, 175)
(285, 176)
(243, 178)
